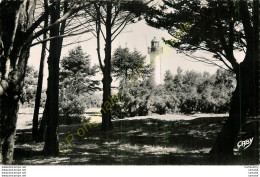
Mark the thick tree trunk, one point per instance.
(245, 98)
(51, 137)
(222, 150)
(51, 147)
(244, 103)
(16, 19)
(43, 126)
(9, 107)
(241, 106)
(107, 79)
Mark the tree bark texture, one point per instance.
(39, 89)
(51, 113)
(15, 19)
(107, 79)
(245, 98)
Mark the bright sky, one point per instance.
(139, 36)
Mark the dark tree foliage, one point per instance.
(133, 91)
(29, 88)
(125, 63)
(134, 99)
(185, 92)
(76, 71)
(193, 92)
(220, 28)
(76, 85)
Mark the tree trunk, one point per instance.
(244, 103)
(42, 130)
(245, 98)
(107, 79)
(222, 150)
(241, 107)
(39, 89)
(51, 112)
(9, 107)
(16, 19)
(51, 137)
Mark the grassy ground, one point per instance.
(158, 140)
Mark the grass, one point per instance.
(135, 141)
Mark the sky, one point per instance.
(135, 36)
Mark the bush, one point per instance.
(188, 93)
(76, 86)
(189, 105)
(158, 105)
(134, 100)
(72, 110)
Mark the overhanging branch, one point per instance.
(61, 36)
(73, 10)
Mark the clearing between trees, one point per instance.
(145, 140)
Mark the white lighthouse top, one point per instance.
(155, 46)
(155, 40)
(154, 43)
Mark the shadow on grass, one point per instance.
(131, 142)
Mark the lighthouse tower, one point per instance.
(155, 60)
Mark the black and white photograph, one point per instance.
(129, 82)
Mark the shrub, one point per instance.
(188, 93)
(72, 109)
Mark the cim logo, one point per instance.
(245, 143)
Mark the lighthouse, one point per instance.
(155, 60)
